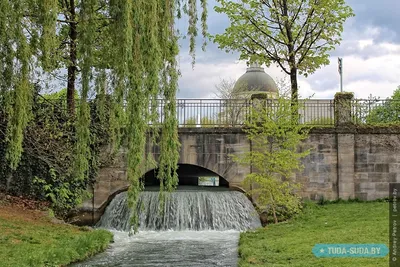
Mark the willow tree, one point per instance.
(125, 48)
(294, 34)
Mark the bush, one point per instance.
(46, 168)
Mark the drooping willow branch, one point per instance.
(130, 63)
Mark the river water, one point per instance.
(197, 228)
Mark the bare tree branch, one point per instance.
(305, 24)
(309, 46)
(297, 13)
(262, 31)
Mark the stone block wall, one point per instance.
(376, 164)
(350, 164)
(319, 176)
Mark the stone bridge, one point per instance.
(345, 162)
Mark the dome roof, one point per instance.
(255, 79)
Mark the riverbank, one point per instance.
(32, 238)
(290, 243)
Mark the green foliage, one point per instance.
(59, 98)
(63, 193)
(46, 154)
(14, 41)
(294, 34)
(87, 29)
(345, 95)
(274, 156)
(388, 112)
(290, 243)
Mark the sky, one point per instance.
(370, 50)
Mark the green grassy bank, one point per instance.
(290, 243)
(29, 238)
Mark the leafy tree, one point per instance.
(388, 112)
(126, 49)
(53, 27)
(295, 34)
(275, 138)
(60, 98)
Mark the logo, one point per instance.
(350, 250)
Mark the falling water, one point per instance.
(196, 228)
(184, 210)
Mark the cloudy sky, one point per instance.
(370, 51)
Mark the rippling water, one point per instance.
(170, 248)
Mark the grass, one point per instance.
(290, 243)
(29, 238)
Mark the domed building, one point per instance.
(255, 81)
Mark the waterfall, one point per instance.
(184, 210)
(205, 226)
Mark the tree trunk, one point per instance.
(274, 213)
(294, 86)
(72, 59)
(295, 94)
(8, 181)
(273, 209)
(292, 56)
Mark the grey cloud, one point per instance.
(212, 55)
(383, 14)
(323, 83)
(352, 48)
(327, 80)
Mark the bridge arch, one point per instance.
(190, 175)
(110, 183)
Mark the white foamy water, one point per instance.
(197, 228)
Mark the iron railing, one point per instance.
(212, 112)
(208, 112)
(375, 111)
(234, 112)
(318, 112)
